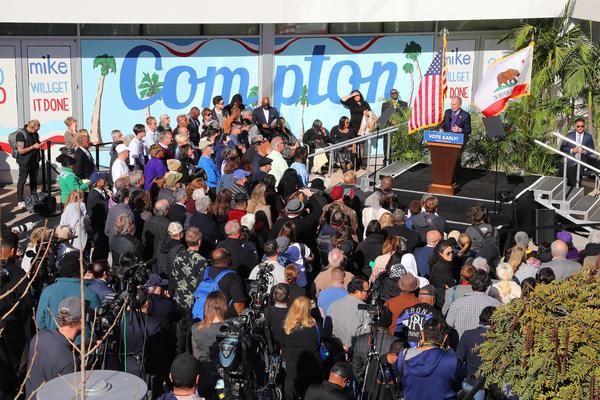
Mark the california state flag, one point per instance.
(506, 78)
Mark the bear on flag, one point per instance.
(506, 78)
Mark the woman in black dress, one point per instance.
(340, 133)
(358, 107)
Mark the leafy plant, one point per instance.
(404, 146)
(149, 86)
(547, 346)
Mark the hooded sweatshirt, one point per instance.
(430, 374)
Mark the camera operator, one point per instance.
(164, 309)
(99, 284)
(381, 341)
(67, 285)
(276, 271)
(14, 335)
(54, 354)
(275, 313)
(333, 389)
(205, 346)
(124, 242)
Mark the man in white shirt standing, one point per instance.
(136, 148)
(279, 164)
(151, 136)
(120, 167)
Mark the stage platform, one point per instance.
(476, 187)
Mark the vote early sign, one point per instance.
(443, 137)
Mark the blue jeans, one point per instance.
(480, 395)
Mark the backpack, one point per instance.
(484, 240)
(205, 287)
(323, 247)
(423, 223)
(12, 141)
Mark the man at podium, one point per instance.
(457, 120)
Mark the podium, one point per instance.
(444, 148)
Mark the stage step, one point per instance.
(572, 197)
(547, 188)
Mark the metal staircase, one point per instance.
(575, 207)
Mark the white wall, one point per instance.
(283, 11)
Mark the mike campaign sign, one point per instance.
(505, 79)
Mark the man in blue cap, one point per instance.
(240, 178)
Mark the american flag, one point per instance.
(428, 106)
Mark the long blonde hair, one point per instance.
(298, 315)
(257, 200)
(74, 197)
(517, 257)
(465, 242)
(386, 220)
(504, 272)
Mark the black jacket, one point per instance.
(155, 230)
(410, 237)
(463, 121)
(326, 390)
(306, 224)
(166, 256)
(121, 245)
(383, 340)
(97, 209)
(211, 233)
(84, 165)
(177, 213)
(242, 259)
(316, 139)
(368, 250)
(440, 276)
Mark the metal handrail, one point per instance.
(558, 135)
(570, 157)
(360, 139)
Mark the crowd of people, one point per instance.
(210, 203)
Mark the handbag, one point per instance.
(323, 352)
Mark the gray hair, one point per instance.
(398, 216)
(522, 238)
(203, 203)
(232, 227)
(163, 135)
(335, 258)
(135, 177)
(124, 225)
(163, 116)
(116, 134)
(179, 194)
(161, 208)
(594, 236)
(458, 98)
(559, 249)
(481, 263)
(275, 142)
(193, 236)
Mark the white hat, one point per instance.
(121, 148)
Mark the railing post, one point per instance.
(97, 157)
(368, 151)
(330, 163)
(387, 151)
(49, 169)
(564, 191)
(578, 174)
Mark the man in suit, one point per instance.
(178, 212)
(84, 162)
(194, 125)
(97, 208)
(394, 102)
(582, 138)
(265, 117)
(457, 120)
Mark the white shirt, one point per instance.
(76, 220)
(266, 112)
(278, 166)
(150, 138)
(136, 150)
(278, 274)
(119, 169)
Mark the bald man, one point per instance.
(422, 254)
(561, 267)
(265, 117)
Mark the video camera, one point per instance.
(259, 289)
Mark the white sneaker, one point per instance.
(20, 205)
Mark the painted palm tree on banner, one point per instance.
(303, 101)
(413, 51)
(253, 94)
(107, 65)
(149, 86)
(408, 68)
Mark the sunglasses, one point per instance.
(579, 126)
(394, 93)
(447, 253)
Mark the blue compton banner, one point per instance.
(311, 74)
(178, 74)
(189, 72)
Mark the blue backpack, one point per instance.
(205, 287)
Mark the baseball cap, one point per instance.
(204, 143)
(174, 228)
(72, 305)
(337, 193)
(185, 368)
(155, 280)
(240, 173)
(264, 161)
(121, 148)
(282, 244)
(96, 176)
